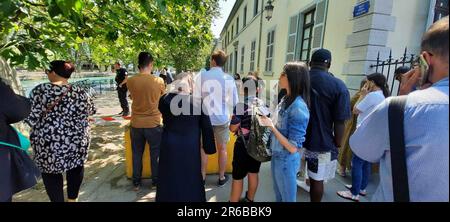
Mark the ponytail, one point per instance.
(380, 81)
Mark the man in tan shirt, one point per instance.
(145, 90)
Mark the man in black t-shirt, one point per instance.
(121, 81)
(330, 107)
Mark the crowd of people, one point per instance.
(185, 118)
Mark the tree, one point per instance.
(177, 32)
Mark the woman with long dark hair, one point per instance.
(288, 133)
(372, 94)
(60, 132)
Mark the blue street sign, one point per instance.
(361, 9)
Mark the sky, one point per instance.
(225, 8)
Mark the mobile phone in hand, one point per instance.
(263, 111)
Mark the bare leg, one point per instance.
(316, 190)
(222, 160)
(236, 190)
(253, 181)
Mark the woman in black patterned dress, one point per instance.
(60, 133)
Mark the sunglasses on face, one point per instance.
(47, 71)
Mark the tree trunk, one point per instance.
(9, 76)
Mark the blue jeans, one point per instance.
(360, 174)
(284, 173)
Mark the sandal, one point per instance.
(348, 196)
(361, 192)
(341, 173)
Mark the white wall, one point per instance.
(411, 21)
(338, 26)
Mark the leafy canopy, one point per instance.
(177, 32)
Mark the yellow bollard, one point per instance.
(212, 168)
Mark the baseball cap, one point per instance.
(321, 55)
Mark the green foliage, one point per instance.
(177, 32)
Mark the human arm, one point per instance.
(15, 107)
(235, 122)
(339, 129)
(124, 82)
(297, 124)
(371, 138)
(265, 121)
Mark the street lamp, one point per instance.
(269, 10)
(269, 13)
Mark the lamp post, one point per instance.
(269, 13)
(269, 10)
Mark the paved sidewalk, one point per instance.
(105, 179)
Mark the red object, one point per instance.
(127, 117)
(108, 118)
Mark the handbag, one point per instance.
(258, 144)
(397, 147)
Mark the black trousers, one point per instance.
(54, 184)
(122, 93)
(139, 137)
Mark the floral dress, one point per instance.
(60, 136)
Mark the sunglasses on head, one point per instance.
(48, 71)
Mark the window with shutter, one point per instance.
(292, 38)
(232, 32)
(237, 25)
(235, 67)
(242, 58)
(255, 7)
(252, 56)
(308, 24)
(270, 51)
(230, 67)
(244, 21)
(319, 26)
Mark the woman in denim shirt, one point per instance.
(289, 131)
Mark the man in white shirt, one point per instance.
(219, 95)
(426, 127)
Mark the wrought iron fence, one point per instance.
(388, 66)
(94, 87)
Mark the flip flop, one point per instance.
(348, 196)
(349, 187)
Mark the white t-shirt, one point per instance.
(368, 104)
